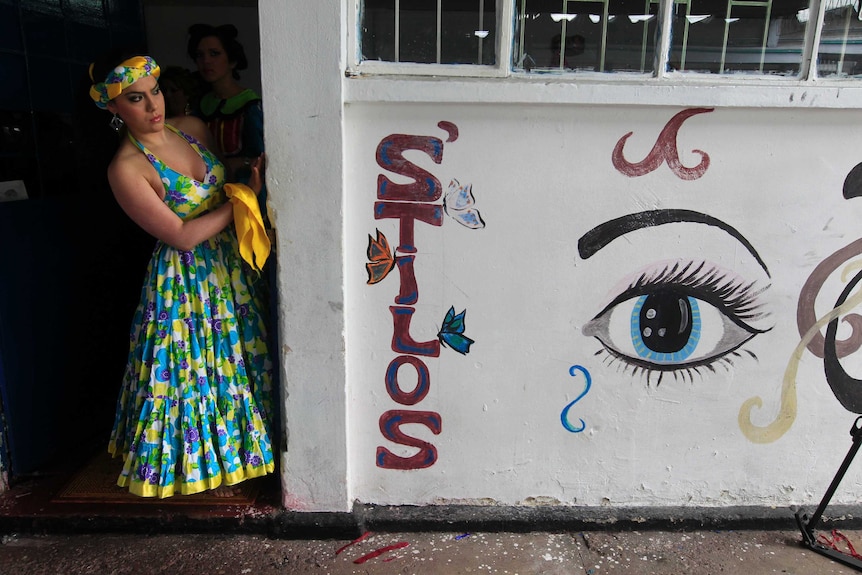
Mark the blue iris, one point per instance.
(665, 329)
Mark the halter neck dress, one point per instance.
(192, 409)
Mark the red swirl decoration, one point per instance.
(664, 150)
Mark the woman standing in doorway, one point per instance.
(234, 113)
(192, 411)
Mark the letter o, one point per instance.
(423, 382)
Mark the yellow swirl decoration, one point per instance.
(787, 410)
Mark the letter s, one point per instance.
(390, 427)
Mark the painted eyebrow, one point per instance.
(141, 92)
(603, 234)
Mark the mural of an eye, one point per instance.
(680, 318)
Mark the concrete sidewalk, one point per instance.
(423, 553)
(41, 535)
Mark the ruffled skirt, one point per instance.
(192, 410)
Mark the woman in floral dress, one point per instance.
(192, 409)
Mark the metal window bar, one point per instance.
(645, 37)
(604, 21)
(687, 4)
(508, 10)
(848, 17)
(813, 34)
(757, 3)
(685, 32)
(438, 31)
(397, 30)
(563, 36)
(648, 5)
(481, 27)
(522, 18)
(522, 54)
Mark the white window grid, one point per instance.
(439, 29)
(506, 29)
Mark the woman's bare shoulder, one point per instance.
(128, 164)
(126, 157)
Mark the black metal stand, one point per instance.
(808, 524)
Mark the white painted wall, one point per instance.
(542, 177)
(304, 120)
(538, 156)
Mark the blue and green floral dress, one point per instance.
(192, 411)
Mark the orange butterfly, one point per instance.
(381, 259)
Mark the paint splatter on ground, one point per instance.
(590, 553)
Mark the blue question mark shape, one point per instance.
(564, 416)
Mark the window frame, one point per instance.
(502, 51)
(473, 83)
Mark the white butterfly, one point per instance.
(458, 204)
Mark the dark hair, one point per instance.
(110, 60)
(91, 119)
(95, 142)
(226, 33)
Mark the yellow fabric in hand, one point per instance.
(254, 246)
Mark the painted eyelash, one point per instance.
(736, 300)
(687, 373)
(739, 298)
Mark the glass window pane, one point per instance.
(738, 36)
(417, 37)
(468, 32)
(378, 30)
(429, 31)
(840, 50)
(600, 35)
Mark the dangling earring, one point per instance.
(116, 123)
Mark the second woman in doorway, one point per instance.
(234, 113)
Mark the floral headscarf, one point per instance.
(121, 78)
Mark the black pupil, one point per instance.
(665, 321)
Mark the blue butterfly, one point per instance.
(452, 332)
(458, 203)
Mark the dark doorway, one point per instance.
(71, 262)
(69, 258)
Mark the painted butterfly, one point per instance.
(452, 332)
(380, 258)
(458, 204)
